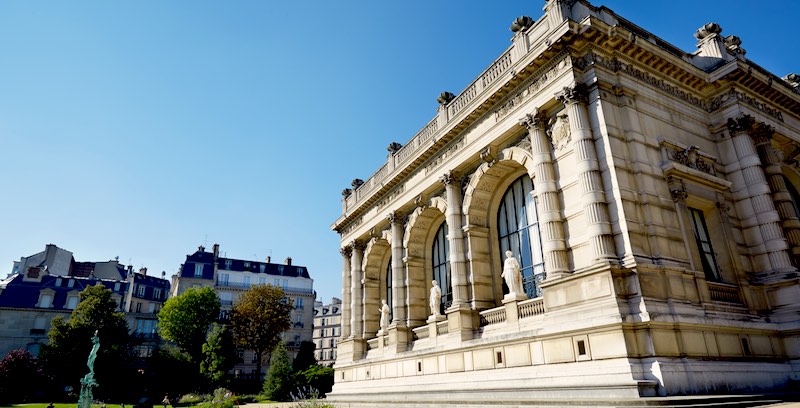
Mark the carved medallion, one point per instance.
(559, 132)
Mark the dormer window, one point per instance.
(198, 270)
(45, 299)
(72, 302)
(71, 283)
(228, 263)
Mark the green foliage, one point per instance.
(279, 383)
(222, 398)
(70, 342)
(308, 397)
(259, 317)
(219, 354)
(316, 377)
(185, 319)
(170, 371)
(20, 374)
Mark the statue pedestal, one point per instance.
(514, 297)
(510, 302)
(398, 337)
(350, 349)
(436, 318)
(460, 320)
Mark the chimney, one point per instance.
(201, 249)
(269, 259)
(143, 271)
(288, 261)
(130, 270)
(216, 250)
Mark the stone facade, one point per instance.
(649, 194)
(327, 330)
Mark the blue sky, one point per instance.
(144, 129)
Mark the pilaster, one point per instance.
(455, 239)
(398, 270)
(356, 274)
(346, 252)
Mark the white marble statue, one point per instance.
(436, 297)
(384, 309)
(512, 275)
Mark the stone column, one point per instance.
(346, 252)
(767, 239)
(356, 274)
(595, 207)
(762, 136)
(455, 239)
(398, 270)
(554, 247)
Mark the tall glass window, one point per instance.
(441, 266)
(707, 256)
(389, 288)
(518, 227)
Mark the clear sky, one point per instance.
(142, 129)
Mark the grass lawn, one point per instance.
(71, 405)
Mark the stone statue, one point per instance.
(384, 309)
(512, 275)
(436, 297)
(87, 382)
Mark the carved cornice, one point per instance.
(572, 95)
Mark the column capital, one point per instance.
(741, 124)
(679, 195)
(346, 250)
(450, 178)
(396, 217)
(358, 245)
(761, 133)
(573, 95)
(535, 120)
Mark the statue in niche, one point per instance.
(384, 310)
(512, 275)
(436, 297)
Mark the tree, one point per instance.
(305, 356)
(279, 383)
(70, 342)
(219, 354)
(317, 377)
(20, 376)
(185, 320)
(258, 319)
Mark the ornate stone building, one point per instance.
(649, 196)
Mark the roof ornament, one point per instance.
(521, 23)
(707, 30)
(445, 98)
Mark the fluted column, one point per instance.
(595, 207)
(762, 136)
(346, 270)
(769, 239)
(398, 270)
(554, 248)
(455, 239)
(356, 318)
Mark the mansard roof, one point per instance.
(207, 260)
(18, 293)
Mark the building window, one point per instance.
(70, 283)
(277, 282)
(246, 280)
(198, 270)
(223, 279)
(246, 265)
(285, 283)
(72, 302)
(389, 287)
(262, 280)
(138, 307)
(116, 287)
(441, 266)
(46, 300)
(299, 303)
(58, 282)
(518, 227)
(228, 264)
(151, 308)
(157, 294)
(261, 267)
(140, 291)
(701, 236)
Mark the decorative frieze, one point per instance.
(537, 81)
(691, 158)
(446, 153)
(392, 196)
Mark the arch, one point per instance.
(481, 201)
(376, 256)
(422, 226)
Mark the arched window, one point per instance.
(389, 288)
(518, 226)
(441, 266)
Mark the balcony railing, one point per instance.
(493, 316)
(531, 307)
(240, 285)
(722, 292)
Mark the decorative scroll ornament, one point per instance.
(533, 120)
(346, 251)
(741, 124)
(734, 44)
(723, 207)
(761, 133)
(692, 159)
(487, 156)
(678, 195)
(358, 245)
(559, 133)
(419, 201)
(450, 177)
(396, 217)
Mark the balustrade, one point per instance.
(721, 292)
(493, 316)
(531, 307)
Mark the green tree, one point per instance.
(279, 383)
(305, 356)
(219, 354)
(20, 376)
(70, 342)
(259, 317)
(185, 320)
(317, 377)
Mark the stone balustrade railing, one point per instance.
(493, 316)
(420, 332)
(442, 328)
(530, 307)
(722, 292)
(426, 136)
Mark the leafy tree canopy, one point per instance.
(20, 376)
(185, 319)
(280, 381)
(219, 354)
(259, 317)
